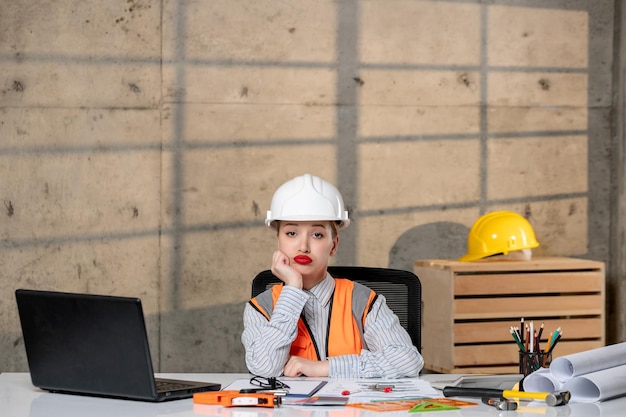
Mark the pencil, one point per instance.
(555, 342)
(548, 342)
(519, 344)
(527, 337)
(555, 335)
(516, 329)
(539, 334)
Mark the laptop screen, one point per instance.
(84, 343)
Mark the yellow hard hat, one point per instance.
(499, 232)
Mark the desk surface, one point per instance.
(18, 398)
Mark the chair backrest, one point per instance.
(402, 289)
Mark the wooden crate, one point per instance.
(468, 308)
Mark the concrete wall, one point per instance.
(141, 142)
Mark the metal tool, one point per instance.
(501, 403)
(551, 398)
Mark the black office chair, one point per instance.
(402, 290)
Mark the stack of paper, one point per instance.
(593, 375)
(371, 389)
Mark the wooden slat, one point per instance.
(498, 331)
(437, 329)
(505, 354)
(511, 369)
(505, 369)
(536, 264)
(481, 308)
(529, 283)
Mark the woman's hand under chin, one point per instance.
(281, 267)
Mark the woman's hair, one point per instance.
(335, 228)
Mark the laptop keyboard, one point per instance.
(170, 386)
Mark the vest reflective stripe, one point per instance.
(350, 303)
(263, 303)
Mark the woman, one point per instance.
(316, 325)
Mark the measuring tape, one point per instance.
(234, 398)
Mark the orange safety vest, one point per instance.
(349, 306)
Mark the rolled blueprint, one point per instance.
(568, 366)
(598, 386)
(542, 381)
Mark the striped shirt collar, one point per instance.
(323, 291)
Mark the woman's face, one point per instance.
(309, 246)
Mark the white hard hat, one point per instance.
(307, 198)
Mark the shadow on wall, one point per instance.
(439, 240)
(194, 340)
(203, 340)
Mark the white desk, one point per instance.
(18, 398)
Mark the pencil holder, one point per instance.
(529, 362)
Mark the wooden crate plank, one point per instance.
(437, 329)
(481, 308)
(533, 283)
(536, 264)
(509, 354)
(498, 331)
(511, 369)
(505, 369)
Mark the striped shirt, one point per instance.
(389, 352)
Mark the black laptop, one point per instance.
(93, 345)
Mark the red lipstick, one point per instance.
(302, 259)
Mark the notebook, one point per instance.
(93, 345)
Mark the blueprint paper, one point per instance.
(590, 376)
